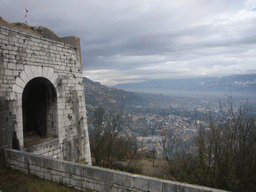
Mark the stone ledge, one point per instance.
(94, 178)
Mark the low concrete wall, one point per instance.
(87, 177)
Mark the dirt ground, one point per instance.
(147, 167)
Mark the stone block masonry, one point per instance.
(84, 177)
(41, 82)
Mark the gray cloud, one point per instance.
(125, 41)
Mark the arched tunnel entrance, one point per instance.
(39, 109)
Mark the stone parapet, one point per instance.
(84, 177)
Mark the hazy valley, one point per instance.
(240, 86)
(186, 105)
(181, 135)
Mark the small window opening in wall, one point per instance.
(39, 110)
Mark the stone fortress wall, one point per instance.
(41, 94)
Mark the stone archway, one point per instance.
(29, 73)
(39, 110)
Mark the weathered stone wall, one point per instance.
(86, 177)
(27, 59)
(49, 148)
(6, 124)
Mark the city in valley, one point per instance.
(149, 117)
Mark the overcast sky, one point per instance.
(134, 40)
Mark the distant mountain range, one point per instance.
(97, 94)
(234, 83)
(137, 94)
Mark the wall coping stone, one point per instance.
(101, 177)
(58, 41)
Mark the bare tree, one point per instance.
(173, 152)
(225, 155)
(153, 153)
(108, 145)
(133, 165)
(97, 136)
(230, 145)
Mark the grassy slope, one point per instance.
(147, 168)
(14, 180)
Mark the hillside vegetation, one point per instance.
(201, 142)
